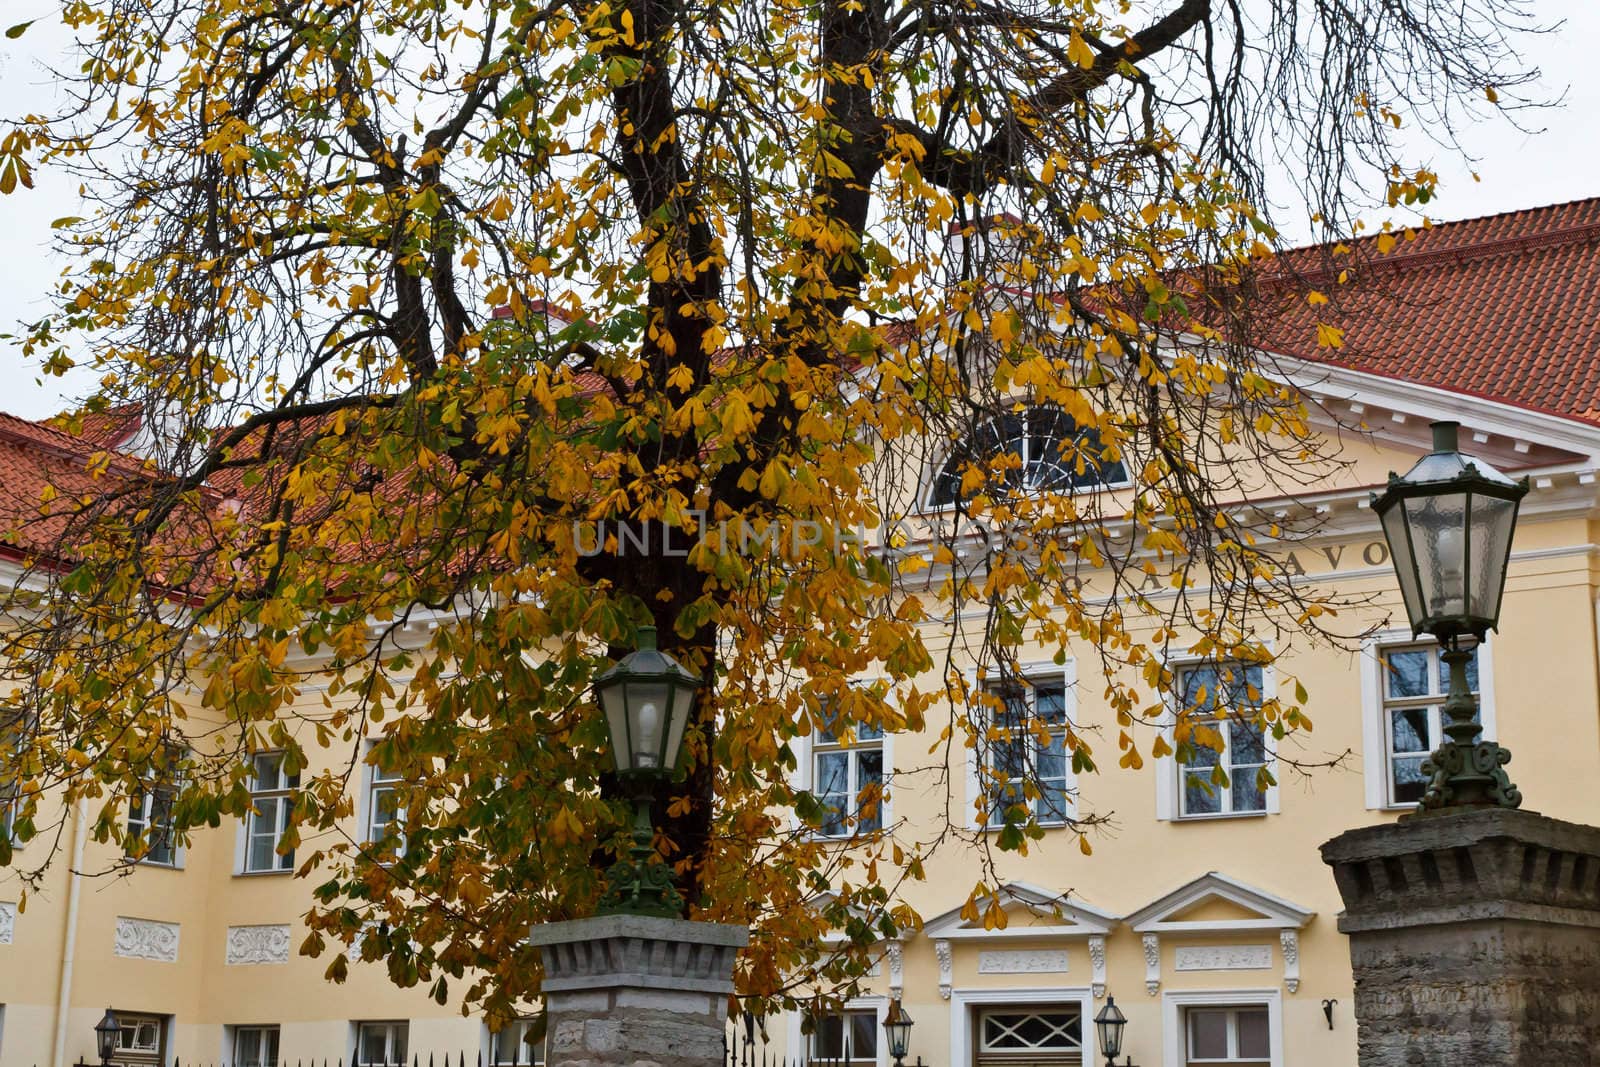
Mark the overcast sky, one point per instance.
(1559, 161)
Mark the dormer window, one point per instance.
(1053, 454)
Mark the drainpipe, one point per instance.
(69, 945)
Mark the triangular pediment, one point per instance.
(1215, 903)
(1031, 911)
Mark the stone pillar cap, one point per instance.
(650, 927)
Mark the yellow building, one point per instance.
(1208, 916)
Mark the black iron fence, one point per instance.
(741, 1050)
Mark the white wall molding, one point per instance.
(941, 949)
(895, 952)
(146, 939)
(1222, 958)
(258, 944)
(1152, 963)
(8, 922)
(1290, 942)
(1097, 965)
(1022, 961)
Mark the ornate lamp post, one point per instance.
(1108, 1025)
(646, 699)
(897, 1025)
(106, 1032)
(1449, 523)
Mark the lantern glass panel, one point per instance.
(1492, 522)
(1439, 538)
(1108, 1028)
(648, 708)
(1405, 566)
(614, 701)
(682, 704)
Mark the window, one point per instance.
(381, 1044)
(848, 780)
(255, 1046)
(1029, 766)
(1414, 680)
(848, 1038)
(1226, 782)
(1030, 1036)
(150, 822)
(384, 813)
(271, 800)
(519, 1042)
(141, 1040)
(1052, 454)
(1237, 1036)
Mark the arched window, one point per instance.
(1051, 447)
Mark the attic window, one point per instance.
(1053, 455)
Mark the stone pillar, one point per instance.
(1474, 938)
(637, 991)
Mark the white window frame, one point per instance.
(373, 779)
(1027, 674)
(247, 825)
(1375, 736)
(853, 783)
(138, 1055)
(878, 1004)
(806, 767)
(1169, 793)
(359, 1027)
(146, 803)
(963, 1018)
(1231, 1036)
(234, 1031)
(493, 1043)
(937, 468)
(1027, 1010)
(1175, 1028)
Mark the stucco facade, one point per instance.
(1225, 916)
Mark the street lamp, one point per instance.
(1448, 523)
(1108, 1025)
(106, 1032)
(897, 1025)
(646, 699)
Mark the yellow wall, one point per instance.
(1545, 678)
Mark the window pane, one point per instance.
(869, 772)
(1246, 790)
(827, 1041)
(1409, 783)
(263, 854)
(1199, 795)
(1050, 703)
(863, 1035)
(1408, 729)
(1208, 1034)
(1254, 1042)
(1246, 743)
(833, 773)
(1407, 671)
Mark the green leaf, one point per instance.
(19, 29)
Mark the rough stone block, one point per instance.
(637, 991)
(1474, 939)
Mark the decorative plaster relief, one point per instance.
(1223, 958)
(1290, 940)
(1097, 965)
(1152, 963)
(258, 944)
(146, 939)
(1022, 961)
(897, 981)
(8, 922)
(946, 968)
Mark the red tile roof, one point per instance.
(1505, 307)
